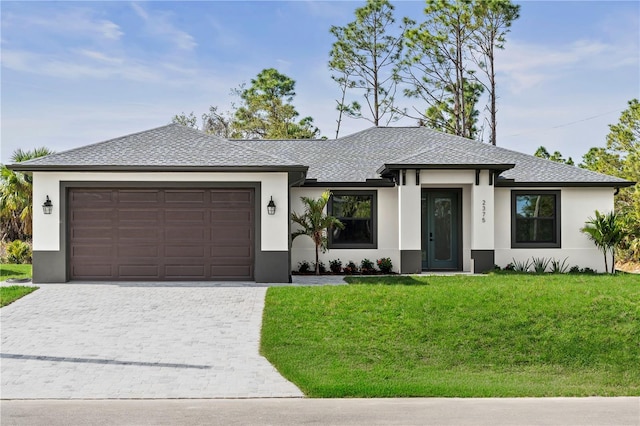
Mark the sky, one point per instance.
(75, 73)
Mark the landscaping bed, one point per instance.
(459, 336)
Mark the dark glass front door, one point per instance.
(440, 229)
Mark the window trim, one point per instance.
(374, 221)
(558, 222)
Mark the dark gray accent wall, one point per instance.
(49, 267)
(272, 267)
(410, 261)
(483, 260)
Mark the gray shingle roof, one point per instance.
(352, 158)
(168, 146)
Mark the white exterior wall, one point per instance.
(304, 249)
(577, 205)
(274, 229)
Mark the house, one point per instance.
(173, 203)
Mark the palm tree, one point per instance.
(314, 223)
(16, 200)
(606, 233)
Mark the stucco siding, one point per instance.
(577, 205)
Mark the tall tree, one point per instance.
(362, 58)
(186, 120)
(16, 199)
(436, 64)
(493, 22)
(542, 152)
(621, 157)
(267, 112)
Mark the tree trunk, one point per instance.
(317, 263)
(606, 264)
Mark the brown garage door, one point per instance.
(161, 234)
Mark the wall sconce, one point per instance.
(47, 207)
(271, 207)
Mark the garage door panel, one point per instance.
(198, 216)
(139, 271)
(182, 271)
(93, 233)
(184, 251)
(138, 196)
(161, 234)
(99, 251)
(136, 251)
(184, 197)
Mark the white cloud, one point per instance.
(159, 25)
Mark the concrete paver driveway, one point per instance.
(137, 341)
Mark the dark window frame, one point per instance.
(557, 218)
(374, 221)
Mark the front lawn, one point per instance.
(460, 336)
(12, 293)
(9, 270)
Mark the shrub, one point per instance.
(510, 267)
(385, 265)
(588, 270)
(523, 266)
(304, 267)
(18, 252)
(366, 267)
(574, 269)
(558, 267)
(335, 266)
(540, 264)
(321, 267)
(350, 268)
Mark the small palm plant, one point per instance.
(314, 223)
(606, 233)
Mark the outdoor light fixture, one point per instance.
(47, 207)
(271, 207)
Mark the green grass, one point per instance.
(14, 271)
(13, 293)
(460, 336)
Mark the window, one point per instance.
(535, 219)
(356, 210)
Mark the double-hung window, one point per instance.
(357, 212)
(535, 219)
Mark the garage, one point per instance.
(161, 234)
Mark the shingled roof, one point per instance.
(350, 159)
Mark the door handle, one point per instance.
(430, 236)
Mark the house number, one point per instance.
(484, 211)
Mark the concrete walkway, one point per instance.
(126, 340)
(366, 412)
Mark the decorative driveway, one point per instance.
(137, 341)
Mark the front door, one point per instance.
(440, 229)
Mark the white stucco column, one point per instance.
(410, 224)
(483, 223)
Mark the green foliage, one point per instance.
(320, 267)
(621, 158)
(522, 266)
(18, 252)
(12, 293)
(186, 120)
(304, 267)
(366, 266)
(442, 56)
(385, 265)
(350, 268)
(335, 266)
(542, 152)
(540, 264)
(266, 110)
(362, 59)
(606, 232)
(314, 222)
(16, 199)
(559, 267)
(463, 336)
